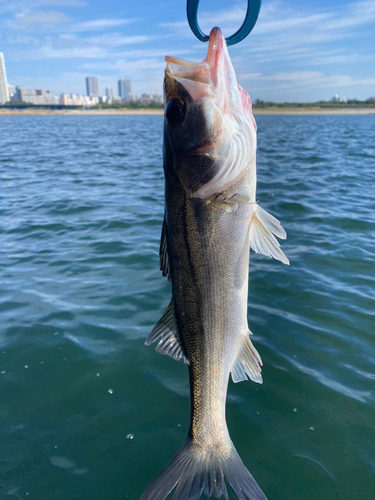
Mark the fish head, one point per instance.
(209, 126)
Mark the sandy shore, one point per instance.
(256, 111)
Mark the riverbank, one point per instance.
(146, 111)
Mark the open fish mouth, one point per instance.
(191, 74)
(188, 70)
(194, 77)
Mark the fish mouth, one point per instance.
(194, 77)
(198, 78)
(188, 70)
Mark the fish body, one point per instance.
(211, 220)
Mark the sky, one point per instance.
(297, 52)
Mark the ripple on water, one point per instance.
(80, 289)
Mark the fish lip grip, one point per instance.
(252, 13)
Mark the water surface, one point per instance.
(86, 410)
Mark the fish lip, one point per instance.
(210, 63)
(187, 65)
(193, 79)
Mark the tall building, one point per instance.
(92, 86)
(124, 88)
(10, 91)
(110, 92)
(26, 95)
(34, 96)
(4, 94)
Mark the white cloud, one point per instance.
(111, 40)
(68, 46)
(42, 18)
(298, 79)
(61, 3)
(100, 24)
(21, 39)
(17, 5)
(47, 51)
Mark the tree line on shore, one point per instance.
(350, 103)
(258, 103)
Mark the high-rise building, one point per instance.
(92, 86)
(124, 88)
(26, 95)
(10, 91)
(110, 92)
(4, 94)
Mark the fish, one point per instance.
(211, 219)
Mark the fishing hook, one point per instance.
(253, 8)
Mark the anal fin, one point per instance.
(248, 363)
(166, 331)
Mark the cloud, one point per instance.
(68, 46)
(47, 51)
(21, 39)
(298, 79)
(26, 4)
(42, 18)
(140, 54)
(62, 3)
(100, 24)
(111, 40)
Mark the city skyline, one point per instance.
(297, 51)
(92, 97)
(20, 93)
(45, 97)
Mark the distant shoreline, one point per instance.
(147, 111)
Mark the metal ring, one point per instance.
(253, 8)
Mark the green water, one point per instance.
(86, 410)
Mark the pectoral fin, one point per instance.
(248, 363)
(263, 227)
(166, 331)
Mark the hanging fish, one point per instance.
(211, 220)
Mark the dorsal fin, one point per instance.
(166, 330)
(165, 267)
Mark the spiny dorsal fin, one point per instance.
(263, 227)
(165, 267)
(166, 330)
(248, 363)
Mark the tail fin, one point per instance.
(195, 470)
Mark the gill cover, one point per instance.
(209, 124)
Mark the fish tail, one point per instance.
(195, 470)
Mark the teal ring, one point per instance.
(253, 8)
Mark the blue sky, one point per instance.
(298, 51)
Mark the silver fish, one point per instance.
(211, 221)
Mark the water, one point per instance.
(86, 410)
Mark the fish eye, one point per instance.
(175, 111)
